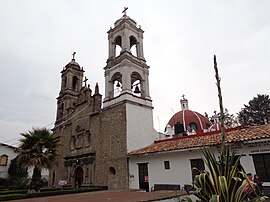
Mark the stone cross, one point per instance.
(85, 80)
(73, 55)
(125, 10)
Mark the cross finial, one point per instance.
(85, 80)
(125, 10)
(73, 55)
(183, 96)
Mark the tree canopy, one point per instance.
(230, 120)
(256, 112)
(17, 175)
(39, 150)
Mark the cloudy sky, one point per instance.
(180, 39)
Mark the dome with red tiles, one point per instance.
(187, 121)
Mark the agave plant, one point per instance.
(223, 181)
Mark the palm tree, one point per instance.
(38, 149)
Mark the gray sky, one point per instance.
(180, 39)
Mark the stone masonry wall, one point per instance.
(111, 160)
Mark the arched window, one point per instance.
(133, 45)
(193, 126)
(112, 171)
(75, 82)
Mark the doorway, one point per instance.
(78, 177)
(143, 176)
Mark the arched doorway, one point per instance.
(78, 176)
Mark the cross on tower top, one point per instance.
(125, 10)
(85, 80)
(183, 96)
(73, 55)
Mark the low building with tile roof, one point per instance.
(167, 164)
(7, 153)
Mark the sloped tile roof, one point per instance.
(205, 139)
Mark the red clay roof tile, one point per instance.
(205, 139)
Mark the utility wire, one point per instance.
(17, 138)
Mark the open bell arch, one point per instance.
(137, 84)
(116, 84)
(133, 45)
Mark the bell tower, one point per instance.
(126, 72)
(127, 83)
(71, 83)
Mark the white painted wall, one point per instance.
(248, 149)
(179, 172)
(11, 155)
(180, 168)
(140, 130)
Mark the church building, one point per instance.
(111, 141)
(96, 135)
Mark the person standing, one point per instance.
(250, 186)
(258, 182)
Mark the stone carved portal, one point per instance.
(78, 176)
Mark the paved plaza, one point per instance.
(108, 196)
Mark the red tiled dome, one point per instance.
(190, 119)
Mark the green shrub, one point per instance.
(9, 192)
(21, 194)
(3, 182)
(11, 197)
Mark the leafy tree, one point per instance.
(17, 175)
(256, 112)
(230, 120)
(38, 149)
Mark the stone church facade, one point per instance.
(97, 134)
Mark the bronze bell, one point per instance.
(118, 84)
(137, 90)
